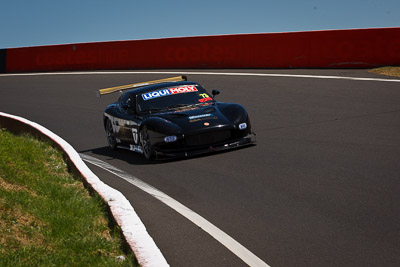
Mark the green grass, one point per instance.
(388, 71)
(47, 217)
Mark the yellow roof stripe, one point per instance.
(135, 85)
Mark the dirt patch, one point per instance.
(388, 71)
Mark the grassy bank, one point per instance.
(388, 71)
(47, 217)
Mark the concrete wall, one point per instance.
(359, 48)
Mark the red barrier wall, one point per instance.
(359, 48)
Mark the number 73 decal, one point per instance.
(204, 98)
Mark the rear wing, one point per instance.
(110, 90)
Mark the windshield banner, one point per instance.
(170, 91)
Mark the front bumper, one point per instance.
(248, 140)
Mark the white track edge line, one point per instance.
(205, 73)
(134, 231)
(235, 247)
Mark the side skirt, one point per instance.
(134, 148)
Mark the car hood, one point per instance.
(196, 119)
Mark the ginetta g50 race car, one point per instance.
(174, 118)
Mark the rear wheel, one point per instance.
(145, 143)
(112, 142)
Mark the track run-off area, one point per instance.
(320, 188)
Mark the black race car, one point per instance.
(172, 118)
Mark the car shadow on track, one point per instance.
(137, 159)
(121, 154)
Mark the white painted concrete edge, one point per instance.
(134, 231)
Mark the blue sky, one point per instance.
(47, 22)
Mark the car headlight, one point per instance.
(170, 139)
(243, 126)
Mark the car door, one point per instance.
(127, 122)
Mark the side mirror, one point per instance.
(125, 107)
(128, 106)
(215, 92)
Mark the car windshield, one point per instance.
(173, 97)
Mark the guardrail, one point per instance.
(358, 48)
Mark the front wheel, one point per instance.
(145, 143)
(112, 142)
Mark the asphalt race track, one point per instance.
(321, 188)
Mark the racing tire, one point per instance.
(112, 142)
(145, 143)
